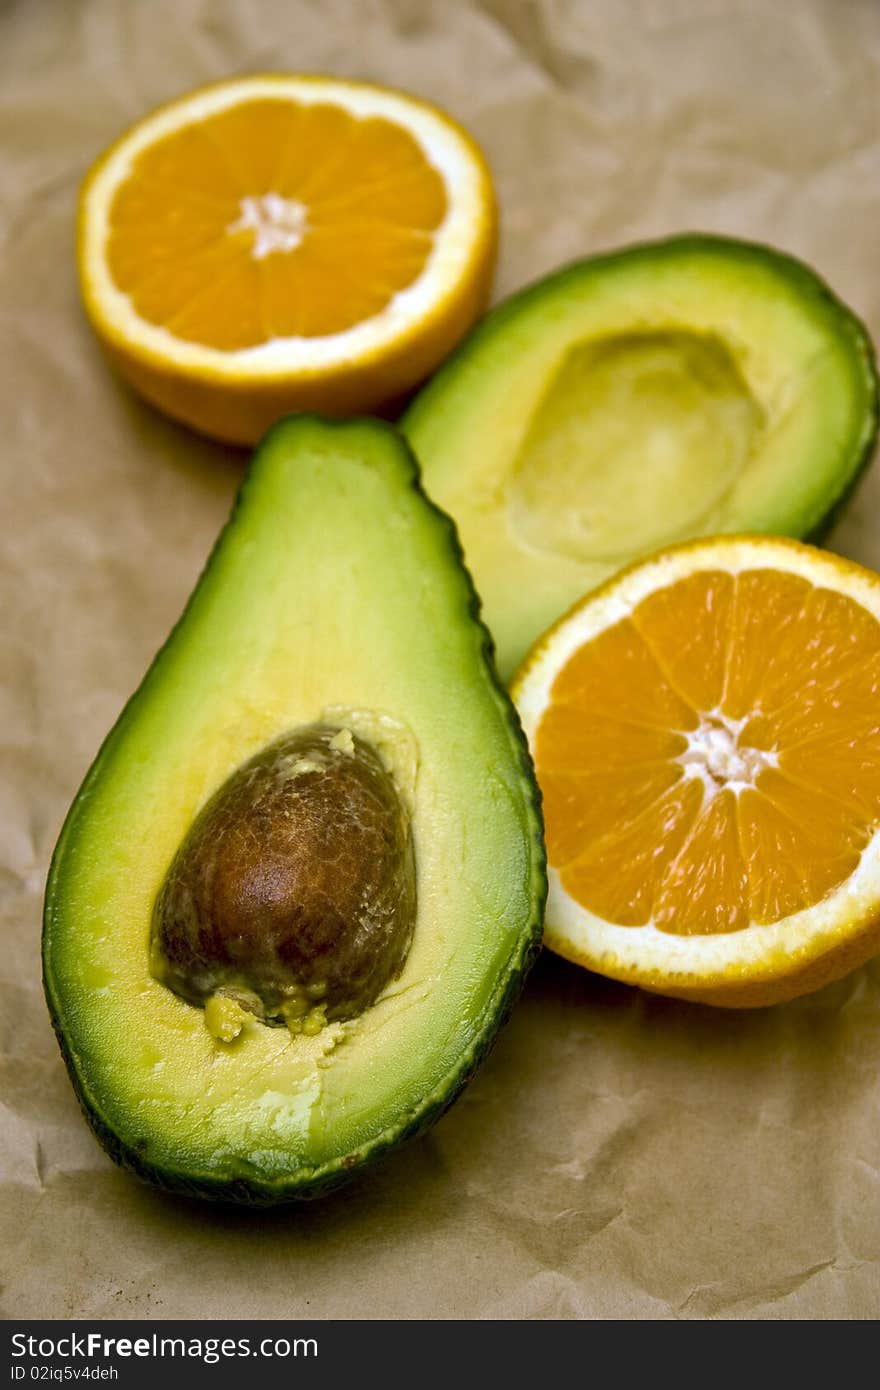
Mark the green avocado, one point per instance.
(670, 390)
(300, 887)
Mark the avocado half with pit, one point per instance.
(666, 391)
(300, 887)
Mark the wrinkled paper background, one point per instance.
(619, 1155)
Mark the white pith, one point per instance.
(278, 224)
(453, 241)
(717, 758)
(759, 949)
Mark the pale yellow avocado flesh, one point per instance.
(667, 391)
(334, 589)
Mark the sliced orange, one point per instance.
(706, 733)
(283, 243)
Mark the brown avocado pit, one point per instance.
(293, 895)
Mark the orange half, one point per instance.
(706, 733)
(278, 243)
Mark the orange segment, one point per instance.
(253, 141)
(710, 766)
(790, 866)
(694, 658)
(818, 813)
(617, 675)
(601, 742)
(298, 298)
(189, 162)
(582, 808)
(706, 887)
(847, 767)
(621, 872)
(227, 308)
(765, 606)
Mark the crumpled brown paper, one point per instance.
(619, 1155)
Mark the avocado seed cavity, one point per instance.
(292, 898)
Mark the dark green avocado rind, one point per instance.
(809, 285)
(311, 1182)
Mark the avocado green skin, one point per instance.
(312, 1183)
(808, 283)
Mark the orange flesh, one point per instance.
(358, 197)
(713, 760)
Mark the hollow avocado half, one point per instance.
(334, 603)
(669, 390)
